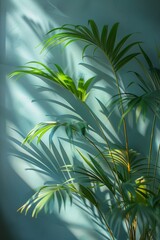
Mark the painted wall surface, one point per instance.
(23, 25)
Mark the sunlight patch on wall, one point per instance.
(21, 42)
(143, 126)
(31, 178)
(157, 133)
(22, 104)
(26, 27)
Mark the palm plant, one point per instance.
(131, 179)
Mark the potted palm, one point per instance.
(129, 177)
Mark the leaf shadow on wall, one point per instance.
(48, 165)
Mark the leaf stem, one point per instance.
(156, 165)
(106, 223)
(95, 146)
(122, 108)
(151, 142)
(124, 120)
(105, 139)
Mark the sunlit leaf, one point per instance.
(71, 128)
(59, 77)
(43, 198)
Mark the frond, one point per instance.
(129, 166)
(149, 101)
(39, 130)
(96, 173)
(46, 196)
(71, 128)
(117, 52)
(44, 199)
(59, 77)
(146, 215)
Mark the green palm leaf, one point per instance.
(111, 39)
(95, 31)
(116, 52)
(128, 163)
(96, 172)
(128, 181)
(71, 128)
(141, 104)
(88, 194)
(59, 77)
(44, 198)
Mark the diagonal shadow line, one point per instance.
(95, 217)
(103, 75)
(77, 163)
(84, 205)
(69, 116)
(56, 102)
(36, 27)
(43, 159)
(91, 212)
(71, 101)
(84, 144)
(38, 161)
(40, 155)
(34, 162)
(82, 115)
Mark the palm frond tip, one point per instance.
(119, 53)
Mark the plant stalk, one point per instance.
(107, 226)
(124, 120)
(151, 142)
(156, 165)
(122, 108)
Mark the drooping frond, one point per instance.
(118, 52)
(149, 100)
(141, 104)
(128, 183)
(44, 199)
(46, 196)
(71, 128)
(42, 71)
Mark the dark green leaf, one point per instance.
(112, 38)
(125, 60)
(94, 30)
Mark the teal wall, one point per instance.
(23, 24)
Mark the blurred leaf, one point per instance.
(148, 60)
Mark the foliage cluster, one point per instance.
(130, 179)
